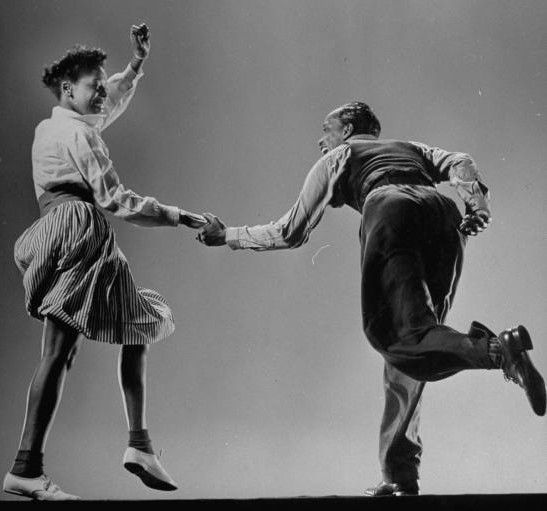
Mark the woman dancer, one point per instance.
(76, 279)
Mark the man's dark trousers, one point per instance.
(411, 261)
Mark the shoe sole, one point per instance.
(373, 492)
(534, 386)
(147, 478)
(518, 343)
(33, 497)
(21, 494)
(394, 494)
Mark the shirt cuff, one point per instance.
(131, 76)
(172, 215)
(232, 238)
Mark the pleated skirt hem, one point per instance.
(74, 271)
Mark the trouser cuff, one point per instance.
(400, 476)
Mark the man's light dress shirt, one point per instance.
(294, 228)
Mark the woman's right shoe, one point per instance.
(37, 488)
(148, 468)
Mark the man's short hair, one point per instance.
(77, 61)
(361, 116)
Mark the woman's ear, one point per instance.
(67, 88)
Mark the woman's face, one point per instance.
(87, 95)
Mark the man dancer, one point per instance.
(412, 242)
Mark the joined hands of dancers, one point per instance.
(91, 293)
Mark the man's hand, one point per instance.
(476, 198)
(140, 39)
(214, 233)
(473, 223)
(191, 219)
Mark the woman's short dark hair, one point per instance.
(361, 116)
(77, 61)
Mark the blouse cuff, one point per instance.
(130, 77)
(232, 238)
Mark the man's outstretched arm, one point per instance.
(294, 228)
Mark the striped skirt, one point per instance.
(74, 271)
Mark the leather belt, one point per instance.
(400, 179)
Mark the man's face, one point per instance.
(89, 92)
(334, 133)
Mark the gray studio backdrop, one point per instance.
(268, 387)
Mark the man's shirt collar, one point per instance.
(362, 136)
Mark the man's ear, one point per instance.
(348, 130)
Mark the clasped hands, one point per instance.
(213, 234)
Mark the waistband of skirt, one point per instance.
(63, 193)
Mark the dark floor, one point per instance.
(503, 502)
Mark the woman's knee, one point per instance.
(134, 352)
(59, 341)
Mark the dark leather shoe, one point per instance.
(515, 362)
(385, 489)
(518, 368)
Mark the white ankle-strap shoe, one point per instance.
(37, 488)
(148, 468)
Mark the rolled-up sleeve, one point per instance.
(294, 227)
(121, 89)
(89, 155)
(461, 171)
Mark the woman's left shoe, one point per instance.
(37, 488)
(148, 468)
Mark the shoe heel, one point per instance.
(522, 338)
(14, 492)
(134, 468)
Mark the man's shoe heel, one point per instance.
(522, 338)
(516, 340)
